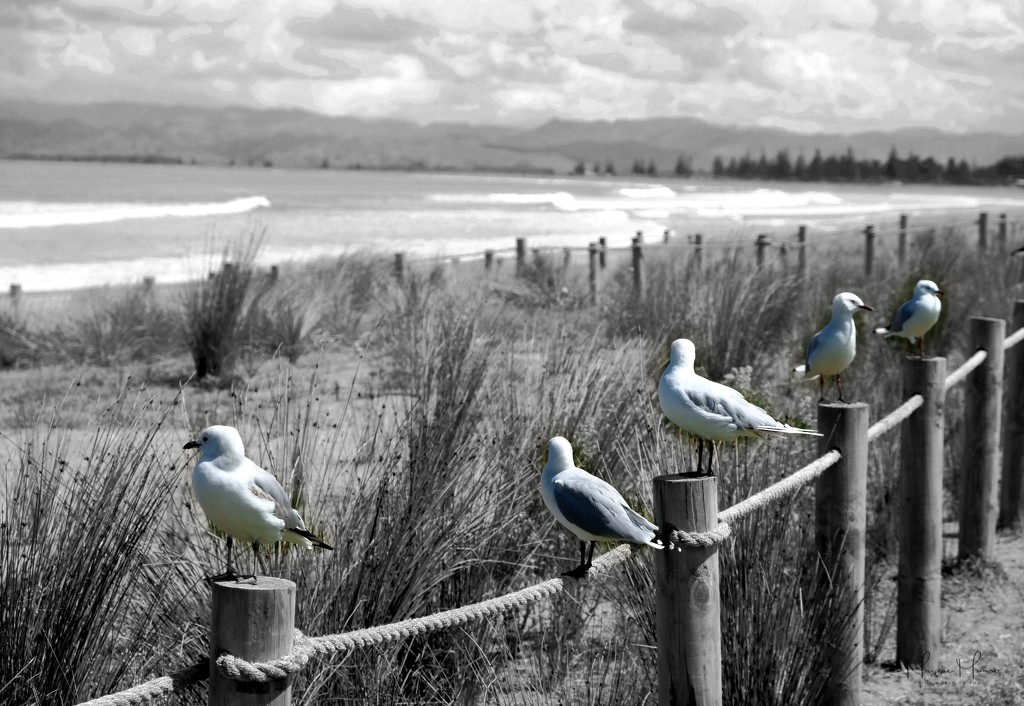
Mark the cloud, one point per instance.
(854, 65)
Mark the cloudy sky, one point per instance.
(811, 65)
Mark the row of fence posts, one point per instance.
(255, 621)
(688, 618)
(597, 253)
(598, 261)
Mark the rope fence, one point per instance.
(305, 648)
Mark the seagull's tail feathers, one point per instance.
(884, 331)
(786, 429)
(803, 370)
(663, 538)
(299, 535)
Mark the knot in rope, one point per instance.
(242, 670)
(698, 540)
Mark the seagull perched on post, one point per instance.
(916, 317)
(709, 410)
(241, 499)
(590, 508)
(834, 347)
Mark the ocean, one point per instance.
(68, 225)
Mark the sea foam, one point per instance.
(40, 214)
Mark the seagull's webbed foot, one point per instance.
(580, 572)
(229, 575)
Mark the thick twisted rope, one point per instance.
(308, 647)
(960, 374)
(155, 688)
(1013, 339)
(895, 417)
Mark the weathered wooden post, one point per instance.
(761, 245)
(488, 260)
(1001, 239)
(594, 255)
(840, 521)
(520, 256)
(689, 625)
(603, 242)
(918, 617)
(639, 271)
(801, 262)
(253, 621)
(982, 231)
(902, 248)
(399, 267)
(566, 258)
(784, 257)
(979, 469)
(15, 295)
(148, 283)
(1011, 497)
(698, 250)
(869, 250)
(666, 238)
(275, 274)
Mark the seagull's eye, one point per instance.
(206, 438)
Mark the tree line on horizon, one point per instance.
(836, 168)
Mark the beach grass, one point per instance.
(408, 422)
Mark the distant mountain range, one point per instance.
(295, 138)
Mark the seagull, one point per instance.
(242, 499)
(590, 508)
(916, 317)
(833, 348)
(709, 410)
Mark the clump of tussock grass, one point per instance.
(17, 349)
(116, 330)
(216, 311)
(77, 589)
(742, 318)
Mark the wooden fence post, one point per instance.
(688, 625)
(1011, 498)
(902, 248)
(253, 621)
(639, 272)
(399, 267)
(603, 242)
(919, 580)
(801, 238)
(840, 522)
(979, 469)
(1001, 240)
(982, 231)
(15, 295)
(275, 273)
(869, 250)
(594, 255)
(666, 238)
(761, 245)
(698, 250)
(566, 258)
(488, 260)
(520, 256)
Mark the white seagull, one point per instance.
(916, 317)
(242, 499)
(834, 347)
(590, 508)
(709, 410)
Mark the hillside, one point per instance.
(301, 139)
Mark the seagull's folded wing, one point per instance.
(263, 481)
(596, 507)
(903, 314)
